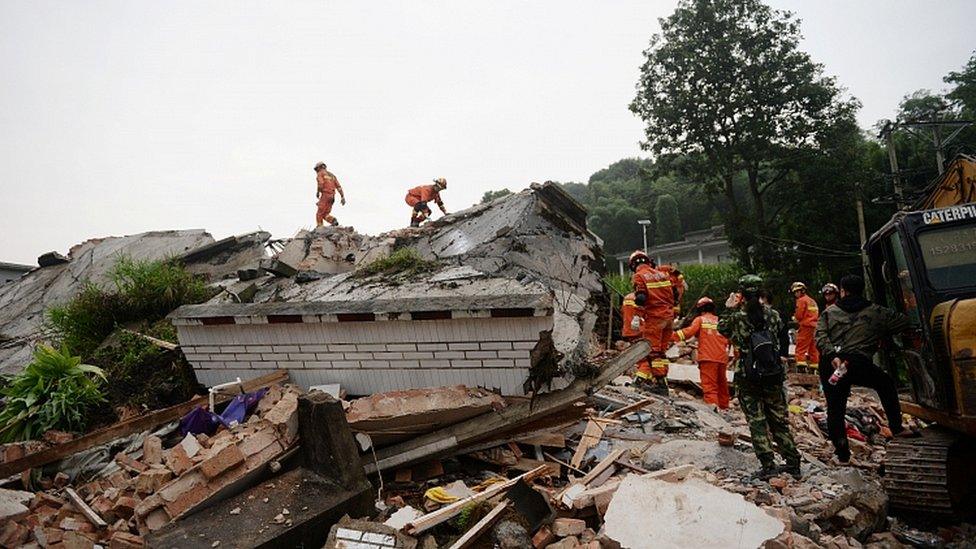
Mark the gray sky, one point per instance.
(121, 117)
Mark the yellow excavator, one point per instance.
(923, 263)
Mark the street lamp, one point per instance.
(644, 223)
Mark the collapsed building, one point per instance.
(58, 278)
(506, 295)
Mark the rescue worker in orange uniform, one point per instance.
(806, 315)
(713, 353)
(653, 291)
(678, 285)
(633, 320)
(418, 197)
(326, 187)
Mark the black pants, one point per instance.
(863, 373)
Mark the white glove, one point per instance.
(635, 323)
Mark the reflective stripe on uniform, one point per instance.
(709, 326)
(681, 335)
(661, 284)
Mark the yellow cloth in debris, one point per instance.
(796, 409)
(440, 495)
(487, 483)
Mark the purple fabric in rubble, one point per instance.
(240, 407)
(199, 420)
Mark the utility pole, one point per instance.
(862, 231)
(888, 132)
(937, 141)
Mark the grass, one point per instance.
(54, 391)
(405, 263)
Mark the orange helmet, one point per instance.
(704, 301)
(637, 258)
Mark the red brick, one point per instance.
(57, 437)
(148, 504)
(13, 534)
(284, 417)
(103, 506)
(90, 489)
(543, 538)
(227, 458)
(125, 540)
(43, 498)
(151, 480)
(177, 460)
(120, 480)
(152, 450)
(565, 527)
(176, 488)
(257, 442)
(76, 540)
(61, 479)
(11, 452)
(125, 506)
(130, 464)
(188, 500)
(119, 526)
(76, 524)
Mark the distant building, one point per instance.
(706, 246)
(12, 271)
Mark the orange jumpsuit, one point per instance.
(658, 316)
(806, 317)
(677, 285)
(327, 187)
(628, 311)
(418, 197)
(713, 357)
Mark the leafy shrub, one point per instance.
(143, 374)
(54, 391)
(143, 291)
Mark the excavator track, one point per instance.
(931, 475)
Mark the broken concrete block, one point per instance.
(690, 513)
(177, 460)
(363, 534)
(51, 259)
(190, 445)
(13, 504)
(565, 527)
(571, 542)
(278, 268)
(228, 457)
(152, 450)
(156, 519)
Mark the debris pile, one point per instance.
(142, 490)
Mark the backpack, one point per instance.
(762, 362)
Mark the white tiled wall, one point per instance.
(370, 357)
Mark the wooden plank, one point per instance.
(962, 424)
(591, 437)
(125, 428)
(550, 440)
(157, 342)
(492, 423)
(640, 404)
(480, 527)
(448, 512)
(80, 504)
(597, 470)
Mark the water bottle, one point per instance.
(635, 323)
(839, 372)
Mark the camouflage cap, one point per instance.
(750, 282)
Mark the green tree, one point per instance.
(725, 81)
(963, 95)
(666, 220)
(492, 195)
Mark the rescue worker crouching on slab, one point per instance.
(326, 186)
(654, 292)
(751, 327)
(713, 353)
(806, 314)
(418, 198)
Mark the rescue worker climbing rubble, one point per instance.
(418, 198)
(326, 187)
(713, 352)
(751, 326)
(805, 315)
(633, 324)
(653, 291)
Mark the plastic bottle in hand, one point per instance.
(635, 323)
(839, 372)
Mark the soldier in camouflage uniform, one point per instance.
(763, 402)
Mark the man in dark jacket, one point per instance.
(849, 332)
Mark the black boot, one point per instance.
(843, 451)
(766, 472)
(793, 469)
